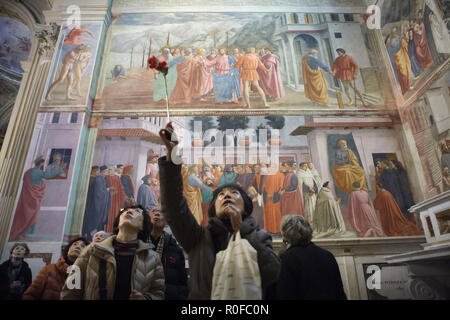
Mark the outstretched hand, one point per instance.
(166, 137)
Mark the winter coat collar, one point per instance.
(105, 248)
(219, 231)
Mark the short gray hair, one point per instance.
(296, 230)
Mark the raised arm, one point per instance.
(180, 219)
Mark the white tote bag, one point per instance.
(236, 273)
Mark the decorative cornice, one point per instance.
(435, 75)
(47, 36)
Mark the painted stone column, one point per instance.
(290, 39)
(76, 222)
(18, 136)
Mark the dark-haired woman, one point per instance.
(122, 267)
(229, 211)
(51, 278)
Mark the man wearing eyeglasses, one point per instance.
(122, 267)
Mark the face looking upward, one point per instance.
(131, 219)
(157, 217)
(75, 250)
(19, 252)
(228, 199)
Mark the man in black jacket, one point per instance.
(308, 272)
(171, 256)
(15, 274)
(229, 211)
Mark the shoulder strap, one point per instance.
(102, 279)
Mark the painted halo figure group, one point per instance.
(227, 77)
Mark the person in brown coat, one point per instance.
(122, 267)
(51, 278)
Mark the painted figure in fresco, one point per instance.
(152, 169)
(145, 197)
(346, 69)
(189, 75)
(204, 74)
(207, 195)
(290, 198)
(248, 177)
(50, 280)
(97, 205)
(66, 71)
(346, 169)
(75, 36)
(328, 220)
(308, 189)
(395, 180)
(423, 52)
(258, 211)
(272, 194)
(128, 186)
(393, 222)
(225, 78)
(237, 53)
(118, 72)
(159, 89)
(228, 176)
(248, 65)
(171, 255)
(80, 67)
(398, 53)
(415, 64)
(58, 163)
(33, 191)
(446, 179)
(192, 191)
(15, 274)
(362, 215)
(316, 87)
(118, 195)
(270, 81)
(257, 182)
(315, 173)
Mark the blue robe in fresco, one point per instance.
(416, 67)
(146, 197)
(226, 84)
(404, 189)
(97, 207)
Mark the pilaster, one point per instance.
(23, 118)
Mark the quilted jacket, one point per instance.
(48, 283)
(147, 275)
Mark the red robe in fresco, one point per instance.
(423, 53)
(291, 201)
(362, 215)
(118, 198)
(270, 81)
(188, 85)
(272, 210)
(28, 207)
(345, 68)
(393, 222)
